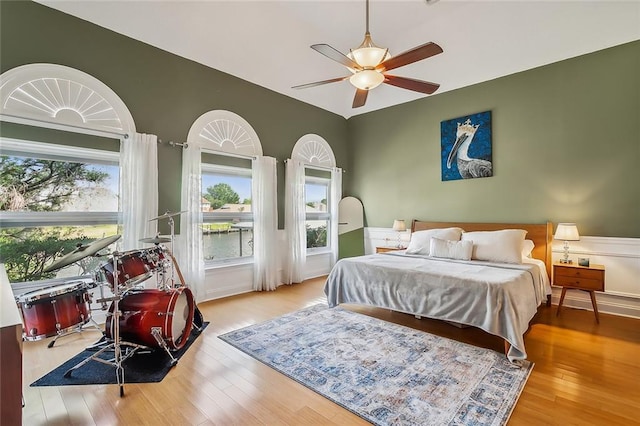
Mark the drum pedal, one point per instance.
(156, 332)
(198, 320)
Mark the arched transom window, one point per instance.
(314, 150)
(56, 96)
(225, 132)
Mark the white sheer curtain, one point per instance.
(138, 188)
(294, 222)
(189, 254)
(265, 224)
(335, 195)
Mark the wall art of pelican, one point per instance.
(467, 166)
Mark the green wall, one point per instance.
(565, 144)
(566, 148)
(165, 93)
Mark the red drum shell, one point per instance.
(133, 267)
(171, 311)
(54, 310)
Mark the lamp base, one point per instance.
(566, 261)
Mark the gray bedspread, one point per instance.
(498, 298)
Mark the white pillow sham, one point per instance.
(420, 240)
(460, 250)
(503, 246)
(527, 248)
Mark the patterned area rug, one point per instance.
(387, 373)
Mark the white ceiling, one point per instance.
(267, 42)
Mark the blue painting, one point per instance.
(466, 147)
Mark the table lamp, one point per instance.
(399, 226)
(566, 232)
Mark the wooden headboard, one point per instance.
(540, 234)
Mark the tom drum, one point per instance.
(133, 267)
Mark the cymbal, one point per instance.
(81, 252)
(167, 215)
(155, 240)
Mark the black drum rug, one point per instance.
(142, 367)
(386, 373)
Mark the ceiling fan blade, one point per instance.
(410, 56)
(360, 98)
(411, 84)
(319, 83)
(336, 55)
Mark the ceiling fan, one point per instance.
(369, 64)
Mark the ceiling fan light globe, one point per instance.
(369, 56)
(367, 79)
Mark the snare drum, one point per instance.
(54, 310)
(170, 312)
(133, 267)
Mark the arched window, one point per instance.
(61, 185)
(223, 145)
(318, 159)
(314, 189)
(59, 97)
(313, 150)
(229, 191)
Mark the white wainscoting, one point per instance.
(229, 280)
(621, 259)
(384, 237)
(620, 256)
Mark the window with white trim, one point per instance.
(53, 197)
(226, 212)
(227, 144)
(317, 209)
(317, 156)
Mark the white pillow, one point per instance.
(448, 249)
(420, 240)
(527, 248)
(503, 246)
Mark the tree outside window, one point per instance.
(35, 186)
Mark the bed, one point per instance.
(499, 298)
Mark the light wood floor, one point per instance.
(584, 374)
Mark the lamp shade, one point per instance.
(369, 56)
(399, 225)
(366, 79)
(567, 232)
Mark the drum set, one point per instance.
(137, 318)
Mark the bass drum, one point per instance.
(54, 310)
(141, 311)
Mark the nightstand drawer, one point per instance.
(579, 282)
(386, 249)
(593, 274)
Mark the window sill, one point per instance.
(318, 251)
(227, 263)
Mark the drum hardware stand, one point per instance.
(78, 329)
(117, 345)
(156, 332)
(198, 319)
(172, 228)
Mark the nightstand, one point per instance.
(386, 249)
(585, 278)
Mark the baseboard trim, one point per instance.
(607, 304)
